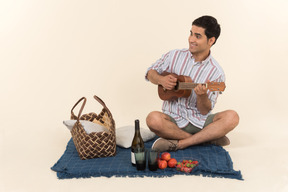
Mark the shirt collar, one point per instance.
(205, 61)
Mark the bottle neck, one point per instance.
(137, 128)
(137, 131)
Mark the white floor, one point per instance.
(26, 158)
(54, 52)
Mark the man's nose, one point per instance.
(192, 38)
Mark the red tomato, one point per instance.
(165, 156)
(162, 164)
(172, 162)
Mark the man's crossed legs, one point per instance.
(173, 138)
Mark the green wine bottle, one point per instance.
(137, 142)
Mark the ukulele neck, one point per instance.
(187, 85)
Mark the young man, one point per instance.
(189, 121)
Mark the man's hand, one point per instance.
(168, 82)
(203, 103)
(200, 90)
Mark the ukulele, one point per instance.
(184, 86)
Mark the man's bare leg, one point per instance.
(162, 126)
(223, 123)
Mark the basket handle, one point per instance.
(103, 104)
(81, 109)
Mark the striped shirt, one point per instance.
(181, 62)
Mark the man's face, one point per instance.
(198, 42)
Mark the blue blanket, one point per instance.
(214, 161)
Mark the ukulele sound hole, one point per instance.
(177, 86)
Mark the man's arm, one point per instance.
(168, 81)
(203, 103)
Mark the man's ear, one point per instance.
(211, 41)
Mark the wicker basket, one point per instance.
(95, 144)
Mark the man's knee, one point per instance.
(229, 118)
(232, 118)
(153, 120)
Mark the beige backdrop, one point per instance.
(53, 52)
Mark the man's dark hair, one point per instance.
(211, 26)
